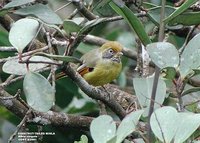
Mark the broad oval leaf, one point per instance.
(22, 32)
(188, 123)
(73, 25)
(41, 11)
(143, 88)
(163, 54)
(14, 67)
(83, 139)
(16, 3)
(38, 91)
(164, 123)
(190, 58)
(102, 129)
(128, 125)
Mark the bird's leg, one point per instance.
(109, 96)
(102, 108)
(101, 104)
(132, 107)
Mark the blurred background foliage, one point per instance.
(69, 98)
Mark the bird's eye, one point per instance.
(111, 51)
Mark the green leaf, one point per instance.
(4, 41)
(103, 8)
(169, 73)
(143, 88)
(113, 140)
(163, 54)
(119, 3)
(168, 124)
(53, 26)
(128, 125)
(84, 139)
(191, 90)
(16, 68)
(3, 11)
(164, 122)
(16, 3)
(154, 13)
(102, 3)
(90, 24)
(187, 19)
(61, 58)
(188, 123)
(148, 5)
(22, 32)
(133, 21)
(38, 91)
(73, 25)
(190, 58)
(41, 11)
(102, 129)
(180, 10)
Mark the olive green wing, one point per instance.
(89, 61)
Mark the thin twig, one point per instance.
(83, 10)
(11, 97)
(63, 6)
(24, 54)
(73, 14)
(7, 49)
(180, 84)
(44, 62)
(21, 77)
(187, 39)
(19, 126)
(60, 43)
(157, 70)
(53, 78)
(192, 103)
(5, 83)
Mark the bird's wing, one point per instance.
(89, 61)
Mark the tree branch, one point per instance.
(53, 118)
(100, 41)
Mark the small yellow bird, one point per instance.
(103, 65)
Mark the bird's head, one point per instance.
(112, 50)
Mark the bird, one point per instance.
(102, 65)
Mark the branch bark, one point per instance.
(40, 118)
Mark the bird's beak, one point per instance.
(117, 57)
(120, 53)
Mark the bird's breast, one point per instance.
(103, 73)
